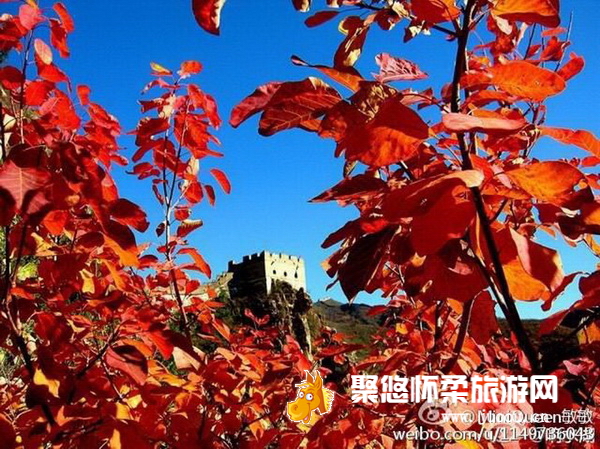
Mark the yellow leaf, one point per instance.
(468, 444)
(159, 69)
(39, 378)
(115, 440)
(122, 411)
(88, 282)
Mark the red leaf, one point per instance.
(221, 179)
(58, 38)
(352, 188)
(83, 92)
(572, 67)
(188, 226)
(343, 348)
(346, 76)
(434, 11)
(129, 360)
(206, 102)
(52, 73)
(128, 213)
(148, 127)
(193, 192)
(190, 68)
(11, 77)
(320, 18)
(25, 186)
(253, 103)
(483, 322)
(7, 207)
(460, 123)
(301, 5)
(56, 220)
(295, 104)
(210, 193)
(198, 260)
(37, 92)
(208, 14)
(408, 200)
(395, 69)
(182, 213)
(65, 17)
(429, 234)
(8, 436)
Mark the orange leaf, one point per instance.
(544, 12)
(526, 80)
(550, 181)
(393, 135)
(198, 260)
(53, 385)
(573, 66)
(582, 139)
(190, 68)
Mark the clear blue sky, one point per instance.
(273, 178)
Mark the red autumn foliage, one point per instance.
(115, 349)
(449, 214)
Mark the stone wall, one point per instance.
(282, 267)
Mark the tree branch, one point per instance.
(510, 309)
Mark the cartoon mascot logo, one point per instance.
(311, 398)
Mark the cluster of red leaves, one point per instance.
(103, 341)
(450, 211)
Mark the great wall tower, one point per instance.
(257, 273)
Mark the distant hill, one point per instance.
(354, 321)
(349, 319)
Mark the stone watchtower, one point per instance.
(258, 272)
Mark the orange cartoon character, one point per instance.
(311, 397)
